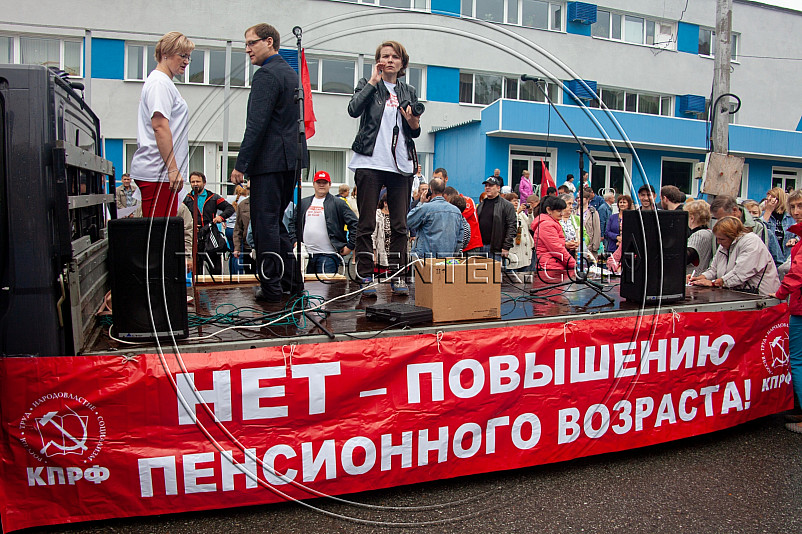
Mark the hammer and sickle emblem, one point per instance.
(69, 442)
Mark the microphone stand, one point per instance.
(299, 163)
(581, 273)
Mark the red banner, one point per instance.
(98, 437)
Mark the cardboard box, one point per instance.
(459, 289)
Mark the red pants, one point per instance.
(157, 199)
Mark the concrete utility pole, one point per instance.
(721, 76)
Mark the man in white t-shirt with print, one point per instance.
(323, 222)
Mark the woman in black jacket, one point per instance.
(384, 156)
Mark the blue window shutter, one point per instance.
(576, 87)
(290, 55)
(581, 12)
(689, 104)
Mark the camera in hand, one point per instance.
(417, 108)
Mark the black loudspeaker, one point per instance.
(149, 299)
(653, 255)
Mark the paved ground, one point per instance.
(746, 479)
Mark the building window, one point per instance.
(515, 89)
(331, 161)
(785, 178)
(479, 88)
(140, 61)
(196, 72)
(623, 100)
(406, 4)
(707, 43)
(413, 77)
(6, 49)
(633, 29)
(332, 75)
(678, 172)
(217, 68)
(540, 14)
(59, 53)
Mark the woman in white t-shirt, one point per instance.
(384, 156)
(162, 158)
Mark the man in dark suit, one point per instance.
(268, 154)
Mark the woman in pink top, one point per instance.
(549, 237)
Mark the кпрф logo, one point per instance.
(62, 424)
(774, 349)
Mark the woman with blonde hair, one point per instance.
(161, 160)
(778, 220)
(701, 242)
(742, 261)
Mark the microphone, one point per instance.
(297, 32)
(529, 78)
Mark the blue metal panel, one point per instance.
(577, 28)
(108, 58)
(688, 38)
(799, 125)
(442, 84)
(582, 12)
(461, 151)
(446, 7)
(114, 153)
(691, 104)
(579, 89)
(290, 55)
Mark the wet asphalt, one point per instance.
(744, 479)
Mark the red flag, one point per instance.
(309, 111)
(547, 181)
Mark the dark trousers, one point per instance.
(324, 263)
(276, 265)
(368, 186)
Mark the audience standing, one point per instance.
(723, 206)
(549, 239)
(437, 224)
(741, 262)
(612, 232)
(778, 220)
(701, 242)
(671, 198)
(323, 220)
(497, 221)
(791, 286)
(205, 205)
(125, 193)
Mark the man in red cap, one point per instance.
(323, 222)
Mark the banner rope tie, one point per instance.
(675, 317)
(292, 352)
(565, 330)
(439, 337)
(129, 358)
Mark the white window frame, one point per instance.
(144, 60)
(671, 44)
(736, 40)
(694, 181)
(473, 86)
(16, 49)
(519, 15)
(625, 161)
(743, 193)
(421, 90)
(319, 59)
(306, 177)
(797, 172)
(533, 157)
(600, 91)
(376, 3)
(548, 88)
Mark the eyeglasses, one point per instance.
(186, 57)
(249, 44)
